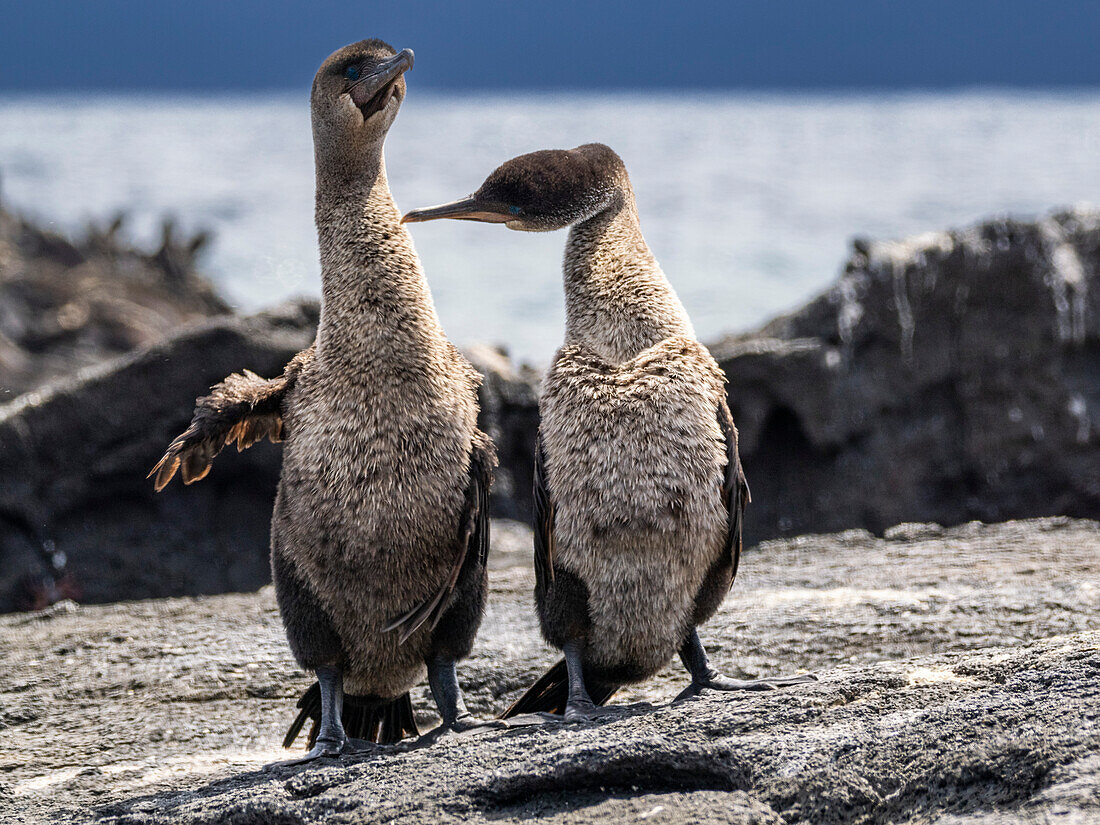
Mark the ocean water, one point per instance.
(748, 201)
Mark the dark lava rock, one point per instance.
(67, 304)
(510, 415)
(78, 517)
(949, 377)
(959, 682)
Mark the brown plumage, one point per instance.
(634, 463)
(639, 490)
(380, 531)
(244, 408)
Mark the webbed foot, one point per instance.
(331, 741)
(468, 723)
(321, 750)
(694, 657)
(457, 721)
(585, 710)
(716, 681)
(465, 725)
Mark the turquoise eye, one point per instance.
(515, 210)
(351, 72)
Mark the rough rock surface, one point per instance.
(948, 377)
(959, 682)
(67, 304)
(74, 501)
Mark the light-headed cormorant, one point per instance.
(381, 526)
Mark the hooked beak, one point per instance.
(371, 92)
(465, 209)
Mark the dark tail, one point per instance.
(376, 720)
(550, 693)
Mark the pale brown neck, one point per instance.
(618, 302)
(376, 308)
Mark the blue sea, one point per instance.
(748, 200)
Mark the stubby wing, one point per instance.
(244, 408)
(544, 523)
(473, 542)
(735, 488)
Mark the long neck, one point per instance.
(376, 309)
(618, 302)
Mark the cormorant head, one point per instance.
(355, 98)
(541, 191)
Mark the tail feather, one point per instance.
(551, 692)
(376, 720)
(309, 707)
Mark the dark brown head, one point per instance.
(355, 98)
(541, 191)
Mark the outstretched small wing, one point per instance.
(544, 523)
(244, 408)
(473, 542)
(735, 488)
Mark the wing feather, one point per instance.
(544, 522)
(735, 488)
(244, 408)
(473, 542)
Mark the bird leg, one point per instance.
(694, 657)
(331, 740)
(579, 707)
(443, 680)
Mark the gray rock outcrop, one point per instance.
(78, 517)
(949, 377)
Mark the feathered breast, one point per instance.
(634, 446)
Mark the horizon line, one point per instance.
(494, 91)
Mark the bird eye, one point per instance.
(515, 210)
(351, 73)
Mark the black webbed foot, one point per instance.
(331, 741)
(588, 711)
(468, 723)
(716, 681)
(457, 721)
(320, 750)
(694, 657)
(464, 726)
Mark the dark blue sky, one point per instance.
(120, 45)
